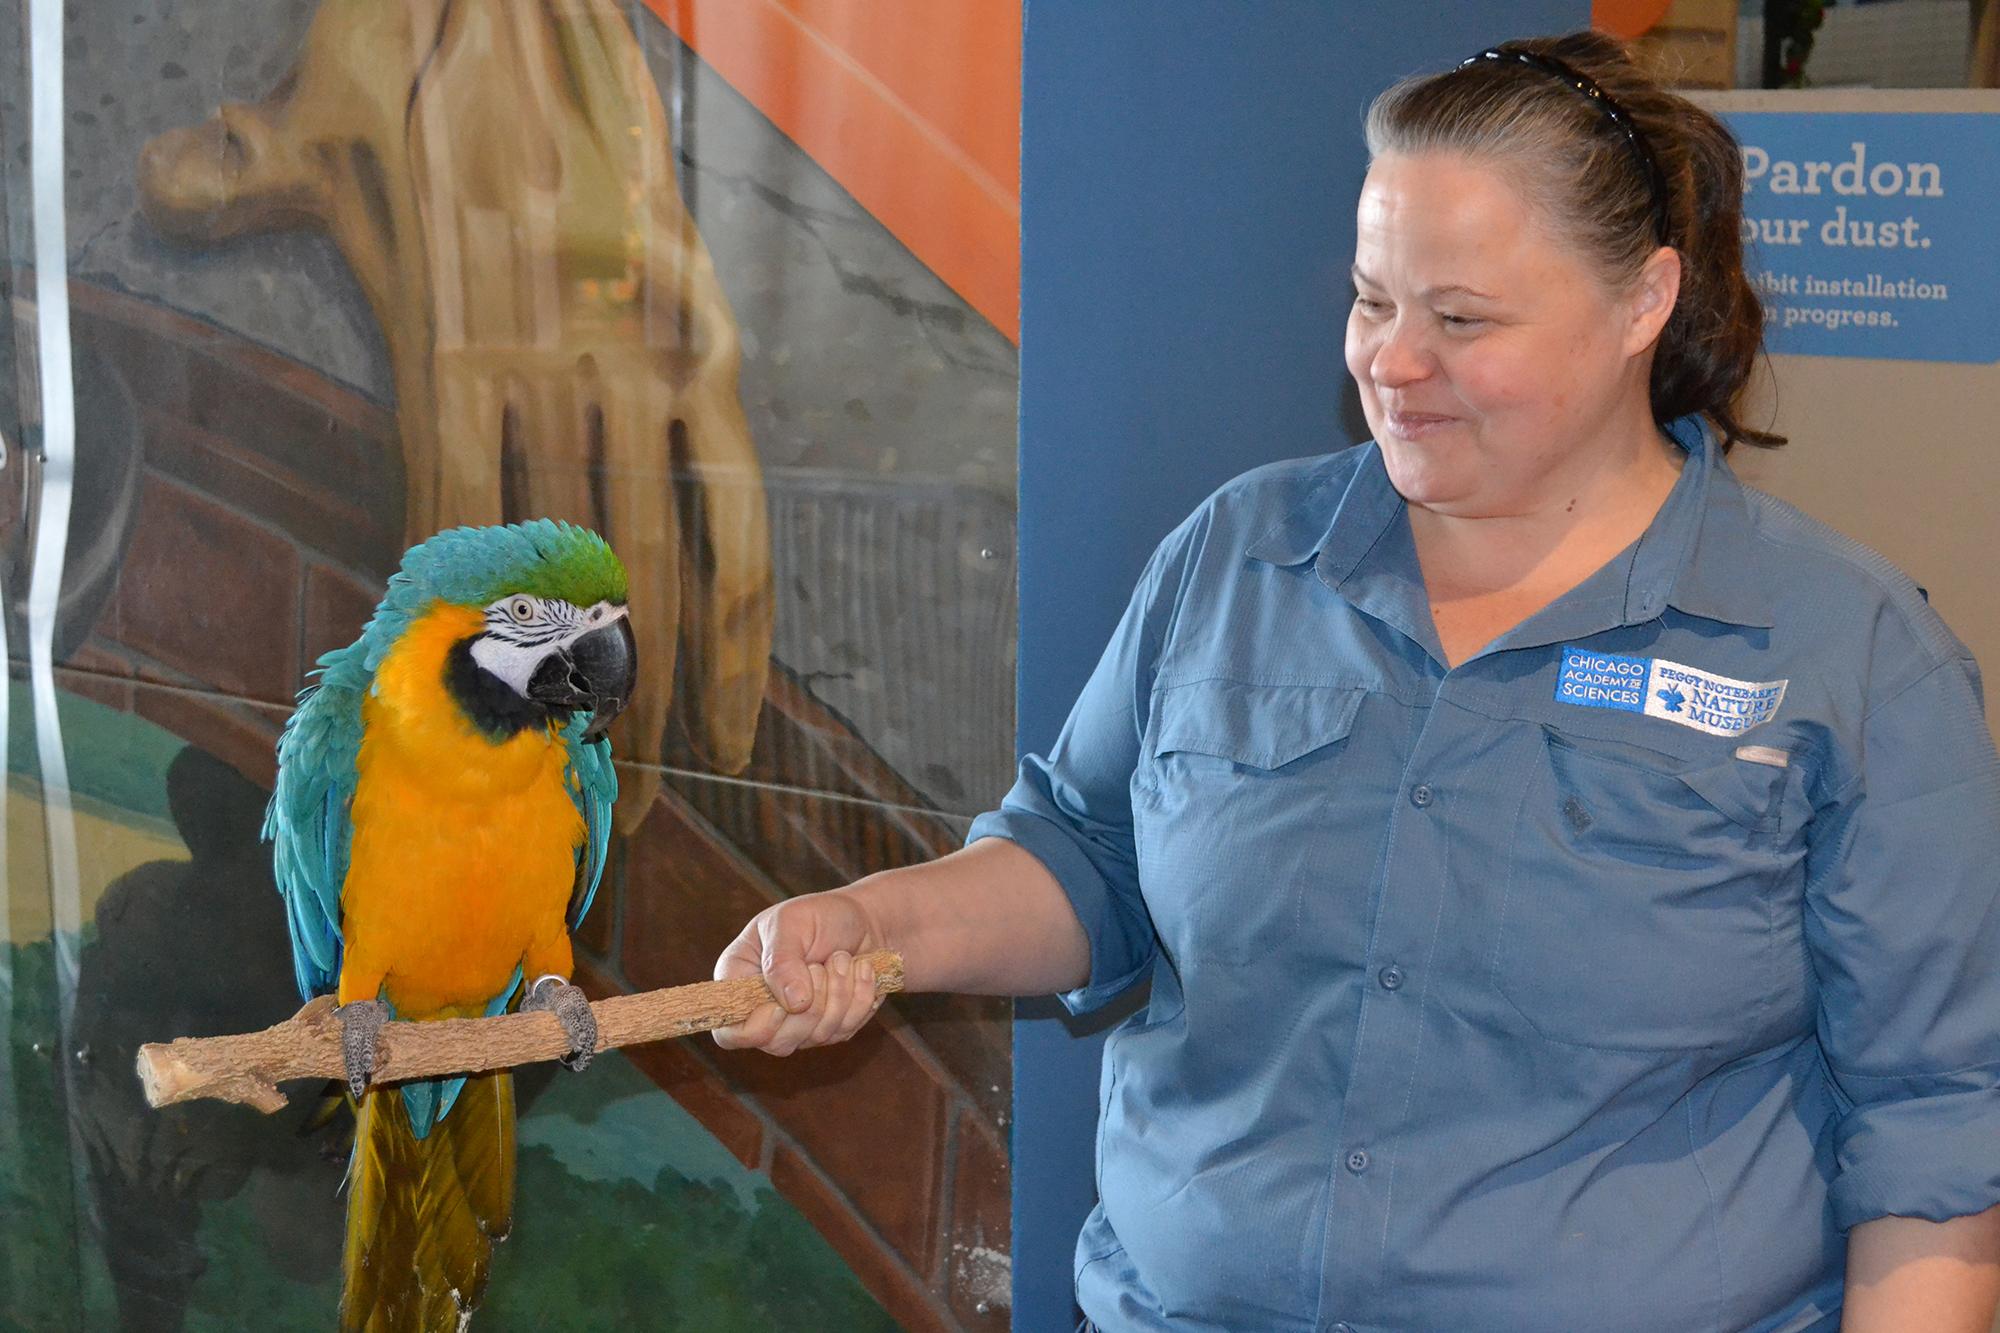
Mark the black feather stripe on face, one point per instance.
(523, 637)
(490, 703)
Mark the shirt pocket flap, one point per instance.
(1748, 793)
(1264, 726)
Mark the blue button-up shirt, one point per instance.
(1599, 982)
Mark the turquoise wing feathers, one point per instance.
(593, 785)
(308, 821)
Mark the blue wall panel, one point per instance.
(1188, 178)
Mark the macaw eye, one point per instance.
(522, 609)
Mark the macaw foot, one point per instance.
(360, 1027)
(572, 1010)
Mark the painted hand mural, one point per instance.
(500, 177)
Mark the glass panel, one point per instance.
(38, 1202)
(40, 1276)
(501, 263)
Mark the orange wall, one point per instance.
(913, 105)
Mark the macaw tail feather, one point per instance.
(423, 1213)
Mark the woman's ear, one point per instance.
(1653, 296)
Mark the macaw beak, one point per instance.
(595, 675)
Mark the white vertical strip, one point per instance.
(45, 174)
(9, 457)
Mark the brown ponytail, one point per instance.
(1575, 163)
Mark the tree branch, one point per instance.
(248, 1067)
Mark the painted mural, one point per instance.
(733, 283)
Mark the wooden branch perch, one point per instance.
(247, 1067)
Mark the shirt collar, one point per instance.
(1339, 519)
(1707, 514)
(1726, 583)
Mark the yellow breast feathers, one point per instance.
(464, 851)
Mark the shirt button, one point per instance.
(1421, 795)
(1357, 1161)
(1391, 977)
(1341, 1327)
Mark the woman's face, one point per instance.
(1496, 369)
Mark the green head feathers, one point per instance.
(479, 566)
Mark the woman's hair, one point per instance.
(1571, 158)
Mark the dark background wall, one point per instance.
(1188, 178)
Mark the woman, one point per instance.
(1566, 877)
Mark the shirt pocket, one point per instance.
(1230, 811)
(1641, 904)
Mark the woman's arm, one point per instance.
(987, 920)
(992, 918)
(1908, 1275)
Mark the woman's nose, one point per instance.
(1400, 356)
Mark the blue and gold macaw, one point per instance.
(440, 824)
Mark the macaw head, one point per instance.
(551, 638)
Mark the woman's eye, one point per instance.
(1462, 321)
(1368, 305)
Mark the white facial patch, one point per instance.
(509, 661)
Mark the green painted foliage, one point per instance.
(38, 1255)
(680, 1254)
(627, 1217)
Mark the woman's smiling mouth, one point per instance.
(1416, 425)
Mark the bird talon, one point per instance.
(361, 1024)
(572, 1009)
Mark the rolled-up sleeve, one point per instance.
(1072, 809)
(1903, 922)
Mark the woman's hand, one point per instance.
(988, 919)
(805, 950)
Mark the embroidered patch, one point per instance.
(1603, 680)
(1670, 690)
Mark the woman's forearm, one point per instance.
(1907, 1275)
(986, 920)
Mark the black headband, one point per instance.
(1642, 151)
